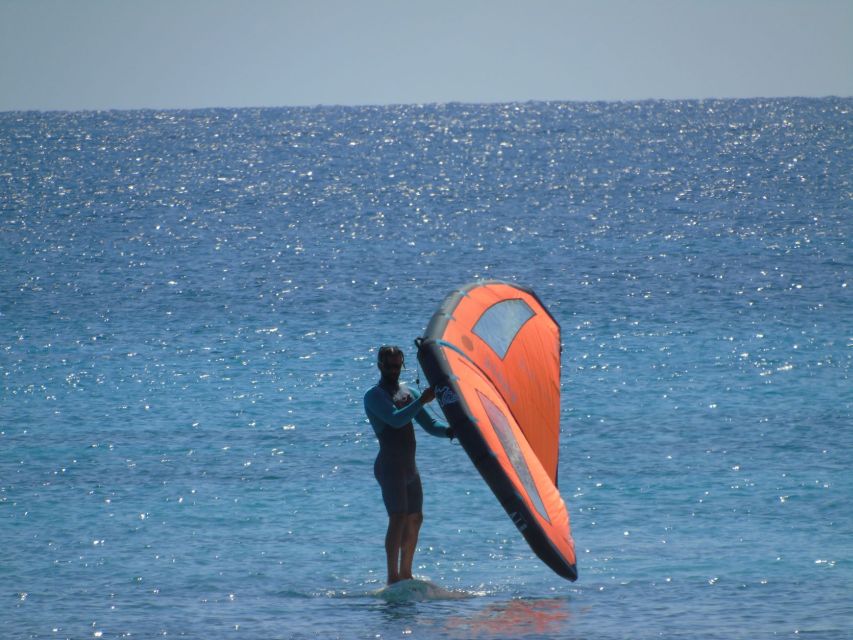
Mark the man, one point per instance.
(390, 407)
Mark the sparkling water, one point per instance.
(190, 306)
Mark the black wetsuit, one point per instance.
(390, 409)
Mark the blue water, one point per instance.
(190, 304)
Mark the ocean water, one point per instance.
(190, 306)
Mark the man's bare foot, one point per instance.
(393, 579)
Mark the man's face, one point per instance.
(390, 367)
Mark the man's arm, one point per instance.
(426, 420)
(431, 425)
(379, 404)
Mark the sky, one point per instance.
(127, 54)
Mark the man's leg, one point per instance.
(410, 542)
(394, 543)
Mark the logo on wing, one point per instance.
(446, 396)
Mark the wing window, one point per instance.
(501, 322)
(513, 452)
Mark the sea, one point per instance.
(191, 303)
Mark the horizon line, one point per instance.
(378, 105)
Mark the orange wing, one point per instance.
(492, 351)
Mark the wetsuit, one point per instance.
(390, 410)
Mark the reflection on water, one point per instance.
(513, 618)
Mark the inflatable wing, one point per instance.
(492, 352)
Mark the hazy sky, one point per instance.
(100, 54)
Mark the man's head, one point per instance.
(390, 361)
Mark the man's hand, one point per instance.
(428, 395)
